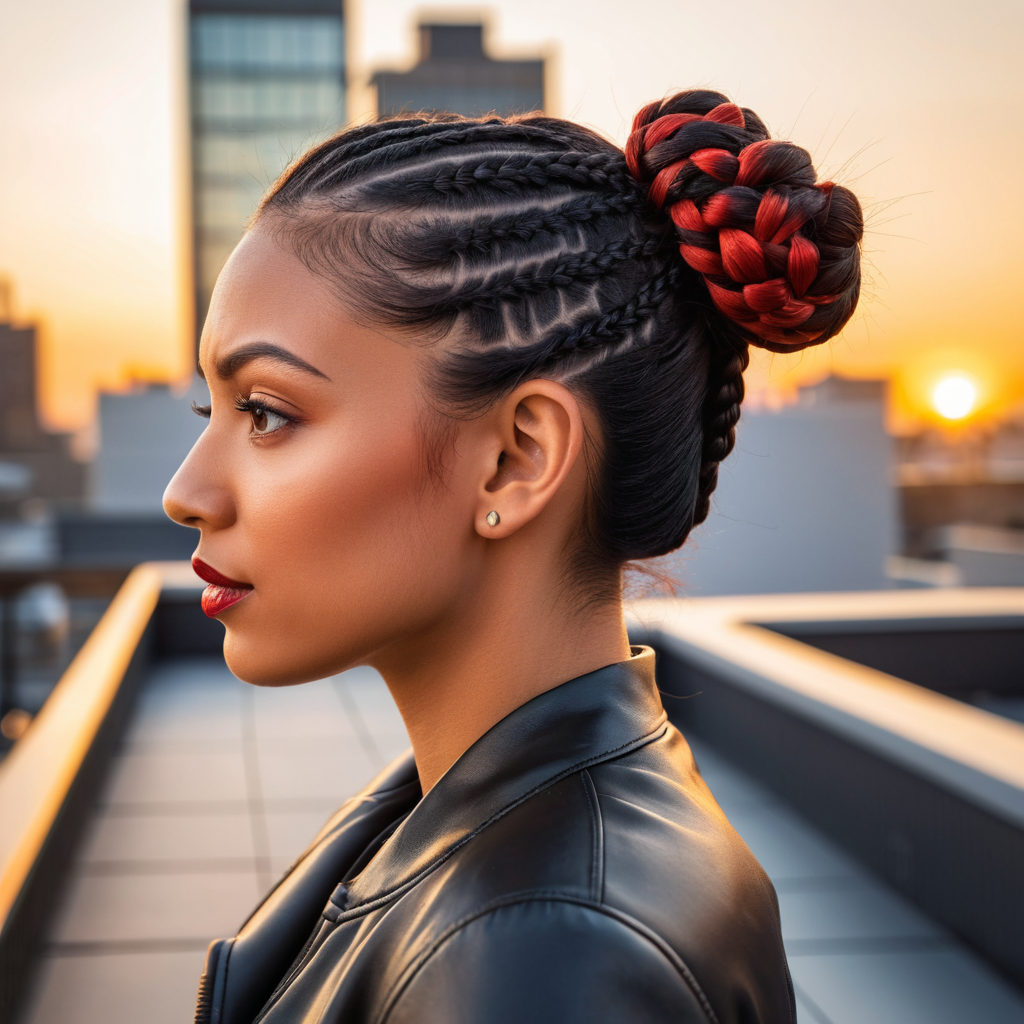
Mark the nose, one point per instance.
(199, 495)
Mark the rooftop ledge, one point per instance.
(976, 754)
(49, 779)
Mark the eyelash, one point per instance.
(243, 404)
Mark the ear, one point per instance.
(538, 435)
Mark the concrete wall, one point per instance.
(984, 556)
(804, 503)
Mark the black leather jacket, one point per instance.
(570, 867)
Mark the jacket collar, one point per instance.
(592, 718)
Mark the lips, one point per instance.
(222, 591)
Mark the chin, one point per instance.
(276, 661)
(264, 664)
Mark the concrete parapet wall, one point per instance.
(925, 790)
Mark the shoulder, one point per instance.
(628, 862)
(672, 861)
(666, 840)
(542, 958)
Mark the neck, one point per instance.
(510, 641)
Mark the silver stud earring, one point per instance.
(493, 518)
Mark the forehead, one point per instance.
(266, 295)
(265, 287)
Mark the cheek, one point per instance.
(347, 542)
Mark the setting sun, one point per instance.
(955, 397)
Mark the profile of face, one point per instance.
(347, 515)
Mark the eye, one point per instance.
(264, 419)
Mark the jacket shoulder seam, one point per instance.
(597, 837)
(546, 896)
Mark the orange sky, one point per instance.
(917, 106)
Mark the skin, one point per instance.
(356, 553)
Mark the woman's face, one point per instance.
(311, 483)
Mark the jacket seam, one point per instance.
(597, 837)
(634, 744)
(542, 896)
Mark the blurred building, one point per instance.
(806, 502)
(34, 463)
(971, 475)
(144, 436)
(267, 81)
(455, 74)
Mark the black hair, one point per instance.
(639, 279)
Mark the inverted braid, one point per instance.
(725, 391)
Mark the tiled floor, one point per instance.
(220, 785)
(218, 788)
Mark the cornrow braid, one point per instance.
(611, 326)
(532, 247)
(477, 237)
(466, 375)
(510, 173)
(367, 150)
(557, 272)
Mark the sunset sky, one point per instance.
(919, 107)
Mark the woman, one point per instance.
(462, 372)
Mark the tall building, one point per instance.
(455, 74)
(267, 81)
(34, 463)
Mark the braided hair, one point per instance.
(537, 248)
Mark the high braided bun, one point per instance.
(780, 254)
(525, 247)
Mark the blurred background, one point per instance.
(138, 136)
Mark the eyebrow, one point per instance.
(231, 364)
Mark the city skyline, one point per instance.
(912, 113)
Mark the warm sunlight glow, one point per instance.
(955, 397)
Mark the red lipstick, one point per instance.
(222, 591)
